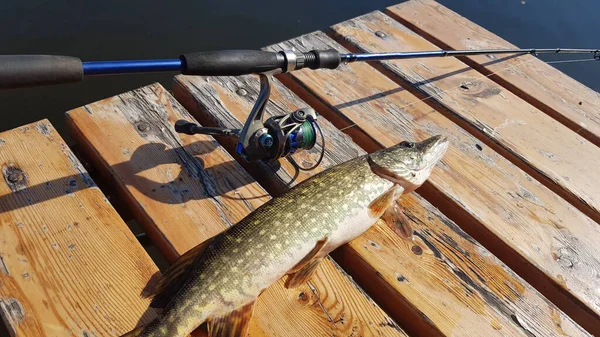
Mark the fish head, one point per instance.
(409, 164)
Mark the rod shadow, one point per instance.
(194, 181)
(416, 85)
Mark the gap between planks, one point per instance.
(572, 305)
(235, 194)
(215, 100)
(585, 205)
(569, 121)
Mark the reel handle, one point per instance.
(189, 128)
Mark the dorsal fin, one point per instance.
(233, 324)
(174, 277)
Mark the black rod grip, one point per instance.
(231, 62)
(20, 71)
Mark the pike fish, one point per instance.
(218, 282)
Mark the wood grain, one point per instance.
(185, 189)
(441, 283)
(69, 266)
(545, 87)
(556, 156)
(539, 235)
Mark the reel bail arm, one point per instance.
(277, 137)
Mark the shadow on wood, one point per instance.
(179, 190)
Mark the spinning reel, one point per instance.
(277, 137)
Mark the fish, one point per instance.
(218, 281)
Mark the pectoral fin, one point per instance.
(384, 201)
(233, 324)
(395, 219)
(304, 269)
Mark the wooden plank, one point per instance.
(69, 266)
(553, 154)
(441, 283)
(359, 32)
(543, 86)
(539, 235)
(185, 189)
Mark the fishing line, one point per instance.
(259, 140)
(479, 79)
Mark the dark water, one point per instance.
(98, 30)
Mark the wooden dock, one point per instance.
(506, 234)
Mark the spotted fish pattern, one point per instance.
(289, 234)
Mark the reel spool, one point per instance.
(277, 137)
(293, 132)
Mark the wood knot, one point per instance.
(380, 34)
(303, 298)
(417, 250)
(143, 126)
(12, 312)
(374, 244)
(14, 177)
(566, 257)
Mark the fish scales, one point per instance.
(332, 207)
(271, 240)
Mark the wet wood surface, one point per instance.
(555, 155)
(542, 85)
(441, 282)
(185, 189)
(69, 266)
(532, 229)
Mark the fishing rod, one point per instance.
(278, 136)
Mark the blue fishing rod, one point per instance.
(17, 71)
(278, 136)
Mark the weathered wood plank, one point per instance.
(545, 87)
(553, 154)
(442, 282)
(185, 189)
(69, 266)
(545, 240)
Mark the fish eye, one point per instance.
(407, 144)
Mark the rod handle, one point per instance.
(231, 62)
(20, 71)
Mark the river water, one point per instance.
(138, 29)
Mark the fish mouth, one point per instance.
(435, 148)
